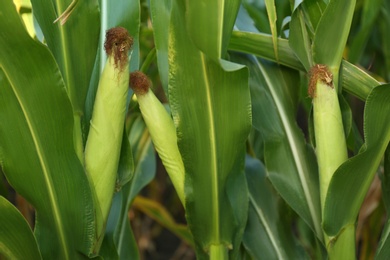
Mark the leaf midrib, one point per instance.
(213, 163)
(266, 227)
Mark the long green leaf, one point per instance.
(354, 80)
(210, 24)
(16, 238)
(272, 17)
(299, 39)
(384, 25)
(352, 179)
(332, 33)
(267, 235)
(74, 44)
(370, 14)
(211, 110)
(261, 44)
(160, 13)
(290, 163)
(383, 250)
(36, 147)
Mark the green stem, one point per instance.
(343, 246)
(218, 252)
(331, 148)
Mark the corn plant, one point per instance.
(80, 125)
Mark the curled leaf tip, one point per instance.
(319, 72)
(139, 82)
(118, 43)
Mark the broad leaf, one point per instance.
(16, 240)
(211, 111)
(383, 250)
(274, 116)
(352, 179)
(267, 234)
(210, 24)
(36, 143)
(332, 32)
(74, 44)
(370, 14)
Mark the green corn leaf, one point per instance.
(266, 236)
(299, 39)
(332, 33)
(291, 165)
(353, 79)
(72, 44)
(370, 14)
(36, 121)
(384, 28)
(160, 13)
(352, 179)
(16, 240)
(213, 148)
(211, 24)
(383, 250)
(261, 45)
(272, 17)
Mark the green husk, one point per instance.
(103, 145)
(162, 130)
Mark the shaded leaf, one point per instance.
(16, 240)
(267, 235)
(274, 115)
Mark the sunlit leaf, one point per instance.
(36, 121)
(213, 148)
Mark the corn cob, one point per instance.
(161, 129)
(103, 145)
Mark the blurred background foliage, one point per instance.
(157, 217)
